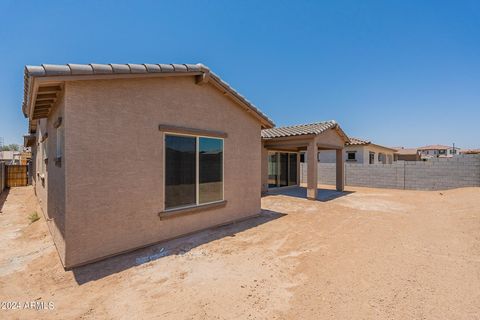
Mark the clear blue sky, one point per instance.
(396, 72)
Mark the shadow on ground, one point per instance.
(3, 198)
(179, 246)
(301, 192)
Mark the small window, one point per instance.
(59, 152)
(351, 156)
(371, 158)
(44, 156)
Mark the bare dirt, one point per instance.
(367, 254)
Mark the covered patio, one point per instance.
(281, 149)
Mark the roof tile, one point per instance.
(54, 69)
(101, 68)
(76, 69)
(152, 67)
(166, 67)
(180, 67)
(137, 68)
(120, 68)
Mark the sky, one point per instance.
(398, 73)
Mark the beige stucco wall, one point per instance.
(114, 161)
(363, 151)
(264, 162)
(52, 201)
(376, 149)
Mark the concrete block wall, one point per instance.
(434, 174)
(2, 177)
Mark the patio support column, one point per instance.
(312, 170)
(340, 166)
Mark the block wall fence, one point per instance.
(434, 174)
(2, 177)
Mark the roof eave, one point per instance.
(34, 75)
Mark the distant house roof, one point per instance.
(302, 129)
(356, 141)
(361, 142)
(87, 71)
(406, 151)
(470, 151)
(436, 147)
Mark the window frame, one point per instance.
(354, 154)
(197, 172)
(370, 159)
(44, 159)
(60, 137)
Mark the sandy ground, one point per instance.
(367, 254)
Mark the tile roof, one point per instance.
(48, 70)
(357, 142)
(436, 147)
(470, 151)
(406, 151)
(298, 130)
(360, 142)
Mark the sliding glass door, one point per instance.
(282, 169)
(272, 170)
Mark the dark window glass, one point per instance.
(302, 157)
(210, 170)
(292, 175)
(180, 175)
(272, 170)
(351, 155)
(283, 169)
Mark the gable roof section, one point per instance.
(89, 71)
(360, 142)
(303, 129)
(357, 142)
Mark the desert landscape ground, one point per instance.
(362, 254)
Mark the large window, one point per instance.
(193, 170)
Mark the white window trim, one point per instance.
(197, 175)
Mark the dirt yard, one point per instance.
(367, 254)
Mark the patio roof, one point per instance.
(303, 129)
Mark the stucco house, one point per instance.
(437, 151)
(407, 154)
(176, 150)
(361, 151)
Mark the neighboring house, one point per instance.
(470, 151)
(361, 151)
(437, 151)
(127, 155)
(407, 154)
(10, 157)
(282, 148)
